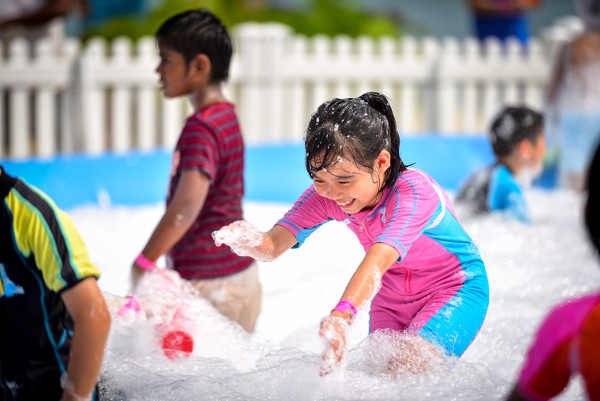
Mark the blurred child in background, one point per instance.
(519, 144)
(566, 342)
(422, 274)
(573, 99)
(502, 19)
(207, 174)
(55, 322)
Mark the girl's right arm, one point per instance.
(246, 240)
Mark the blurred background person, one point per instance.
(573, 99)
(566, 343)
(519, 143)
(37, 19)
(55, 322)
(502, 18)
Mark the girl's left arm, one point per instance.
(363, 285)
(366, 279)
(181, 213)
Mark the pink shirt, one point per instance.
(415, 217)
(566, 344)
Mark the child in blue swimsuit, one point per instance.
(518, 141)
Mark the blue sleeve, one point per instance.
(506, 195)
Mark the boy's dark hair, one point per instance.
(592, 211)
(355, 128)
(511, 126)
(199, 32)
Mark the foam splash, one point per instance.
(241, 236)
(282, 359)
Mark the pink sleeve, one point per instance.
(547, 368)
(308, 213)
(413, 206)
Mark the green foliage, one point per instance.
(328, 17)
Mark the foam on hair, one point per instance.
(357, 129)
(513, 125)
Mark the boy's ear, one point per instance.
(201, 66)
(524, 148)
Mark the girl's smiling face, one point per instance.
(352, 188)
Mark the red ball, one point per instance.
(177, 344)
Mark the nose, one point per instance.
(332, 192)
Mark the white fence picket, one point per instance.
(105, 97)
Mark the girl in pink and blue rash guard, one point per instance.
(422, 272)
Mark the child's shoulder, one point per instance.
(213, 112)
(502, 177)
(214, 115)
(413, 176)
(570, 312)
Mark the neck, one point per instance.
(209, 95)
(513, 162)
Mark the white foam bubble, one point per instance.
(282, 359)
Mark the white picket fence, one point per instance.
(105, 98)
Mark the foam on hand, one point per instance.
(282, 359)
(333, 331)
(241, 236)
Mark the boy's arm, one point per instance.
(91, 319)
(181, 213)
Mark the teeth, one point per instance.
(344, 203)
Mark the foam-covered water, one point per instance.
(530, 268)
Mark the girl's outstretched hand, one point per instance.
(333, 331)
(241, 236)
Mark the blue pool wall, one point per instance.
(274, 172)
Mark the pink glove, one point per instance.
(241, 236)
(333, 331)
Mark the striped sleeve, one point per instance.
(199, 149)
(45, 234)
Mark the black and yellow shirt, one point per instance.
(41, 255)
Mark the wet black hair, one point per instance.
(196, 32)
(354, 128)
(511, 126)
(592, 210)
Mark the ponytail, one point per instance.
(381, 103)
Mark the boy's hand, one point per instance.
(333, 331)
(136, 274)
(241, 236)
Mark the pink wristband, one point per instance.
(133, 304)
(144, 263)
(344, 305)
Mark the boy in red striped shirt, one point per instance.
(207, 176)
